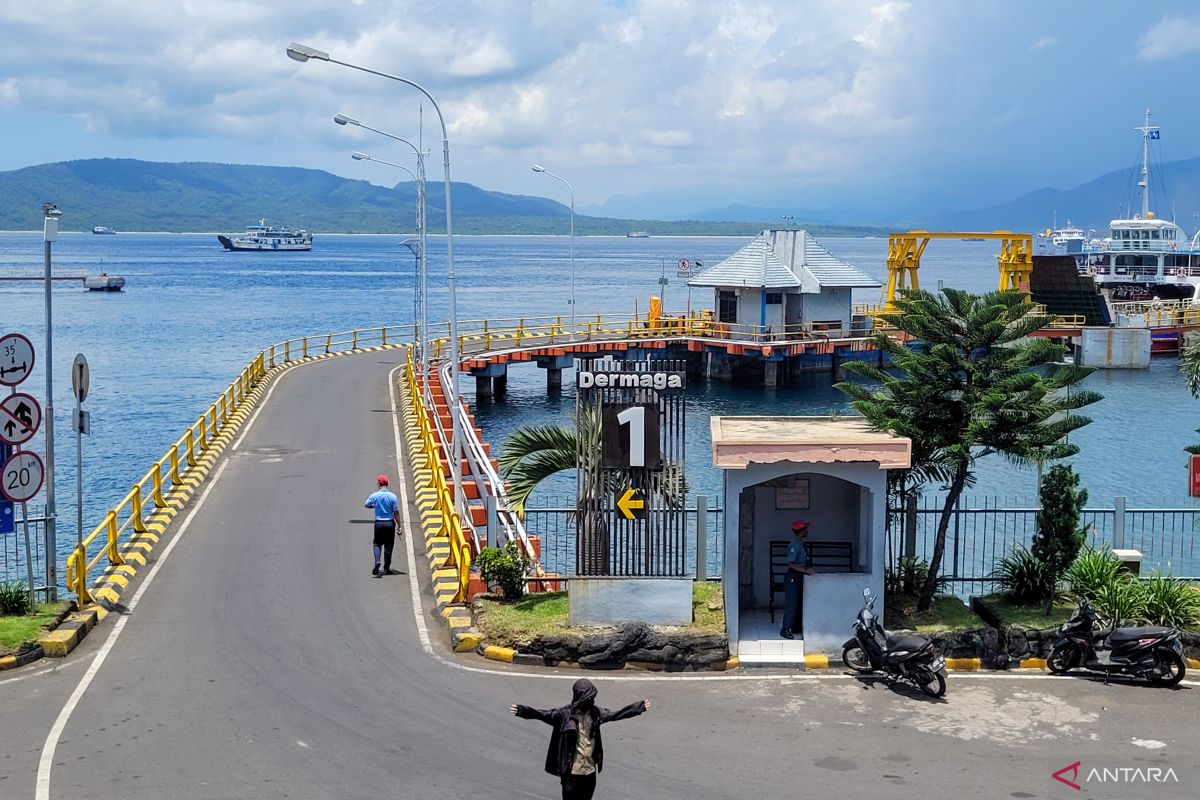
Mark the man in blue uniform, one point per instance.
(387, 525)
(799, 565)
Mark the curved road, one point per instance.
(261, 660)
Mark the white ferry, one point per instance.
(265, 237)
(1143, 258)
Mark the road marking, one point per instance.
(43, 670)
(51, 744)
(418, 609)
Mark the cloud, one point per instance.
(1043, 42)
(1170, 37)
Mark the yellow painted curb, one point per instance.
(1033, 663)
(963, 663)
(733, 663)
(499, 653)
(816, 662)
(1192, 663)
(57, 644)
(467, 641)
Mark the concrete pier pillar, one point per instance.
(500, 385)
(554, 380)
(483, 387)
(770, 373)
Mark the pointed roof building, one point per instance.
(784, 259)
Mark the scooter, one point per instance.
(1155, 654)
(911, 658)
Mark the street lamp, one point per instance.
(50, 213)
(299, 52)
(544, 171)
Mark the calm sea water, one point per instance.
(192, 316)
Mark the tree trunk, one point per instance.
(939, 543)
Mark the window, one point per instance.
(774, 298)
(727, 306)
(1154, 233)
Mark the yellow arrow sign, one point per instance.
(631, 503)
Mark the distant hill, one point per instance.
(131, 195)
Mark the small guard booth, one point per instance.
(829, 471)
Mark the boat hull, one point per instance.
(263, 247)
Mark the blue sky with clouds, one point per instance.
(810, 102)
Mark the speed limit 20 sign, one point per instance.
(21, 476)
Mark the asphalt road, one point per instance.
(263, 661)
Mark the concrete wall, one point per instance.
(830, 304)
(1115, 348)
(831, 600)
(611, 601)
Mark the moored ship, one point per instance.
(101, 230)
(266, 237)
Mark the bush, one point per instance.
(1121, 600)
(14, 598)
(1170, 601)
(1025, 578)
(1059, 536)
(504, 566)
(909, 577)
(1092, 571)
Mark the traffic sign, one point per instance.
(21, 476)
(631, 504)
(20, 418)
(79, 378)
(16, 358)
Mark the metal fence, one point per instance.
(553, 522)
(13, 561)
(981, 533)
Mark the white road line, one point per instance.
(42, 670)
(51, 744)
(418, 610)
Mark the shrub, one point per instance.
(504, 566)
(909, 577)
(1059, 536)
(1121, 600)
(1025, 578)
(1171, 602)
(14, 598)
(1092, 570)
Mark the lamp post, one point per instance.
(421, 317)
(299, 52)
(50, 213)
(544, 171)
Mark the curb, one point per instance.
(511, 656)
(69, 633)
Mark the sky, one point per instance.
(810, 104)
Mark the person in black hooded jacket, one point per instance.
(576, 752)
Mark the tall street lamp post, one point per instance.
(544, 171)
(299, 52)
(50, 214)
(422, 279)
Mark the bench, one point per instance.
(823, 556)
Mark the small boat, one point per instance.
(637, 235)
(103, 283)
(101, 230)
(265, 237)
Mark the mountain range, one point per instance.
(133, 195)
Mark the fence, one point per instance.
(554, 523)
(13, 562)
(981, 533)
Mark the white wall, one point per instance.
(830, 304)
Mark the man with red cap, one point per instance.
(387, 524)
(799, 565)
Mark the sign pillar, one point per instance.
(51, 214)
(21, 472)
(81, 422)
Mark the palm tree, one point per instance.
(965, 387)
(1189, 365)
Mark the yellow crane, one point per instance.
(905, 250)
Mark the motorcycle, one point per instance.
(1155, 654)
(911, 658)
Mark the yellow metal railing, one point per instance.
(428, 473)
(1160, 313)
(148, 495)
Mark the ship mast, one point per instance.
(1144, 183)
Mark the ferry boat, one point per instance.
(1143, 258)
(101, 230)
(637, 235)
(265, 237)
(103, 283)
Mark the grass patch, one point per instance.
(946, 614)
(507, 624)
(25, 628)
(1030, 615)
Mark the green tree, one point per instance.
(1059, 536)
(1189, 365)
(532, 453)
(964, 383)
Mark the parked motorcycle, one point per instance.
(911, 658)
(1155, 654)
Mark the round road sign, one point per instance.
(20, 418)
(79, 378)
(21, 476)
(16, 358)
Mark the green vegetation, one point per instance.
(1024, 577)
(965, 387)
(14, 597)
(1030, 615)
(944, 614)
(505, 566)
(16, 629)
(507, 623)
(1059, 536)
(130, 195)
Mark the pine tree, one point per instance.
(1059, 536)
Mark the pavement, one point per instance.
(258, 658)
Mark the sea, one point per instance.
(192, 315)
